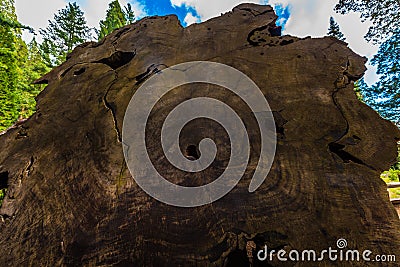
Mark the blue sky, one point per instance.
(159, 7)
(298, 17)
(164, 7)
(186, 13)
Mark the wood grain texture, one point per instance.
(72, 202)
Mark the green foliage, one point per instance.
(115, 18)
(394, 193)
(7, 10)
(384, 15)
(384, 96)
(6, 22)
(388, 88)
(2, 195)
(9, 71)
(67, 30)
(334, 30)
(33, 67)
(129, 14)
(357, 90)
(19, 67)
(391, 176)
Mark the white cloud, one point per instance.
(190, 19)
(36, 13)
(139, 8)
(311, 18)
(95, 10)
(307, 18)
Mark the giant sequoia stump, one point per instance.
(71, 200)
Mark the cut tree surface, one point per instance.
(71, 200)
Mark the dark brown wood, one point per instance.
(395, 201)
(393, 185)
(71, 200)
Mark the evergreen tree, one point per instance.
(33, 68)
(9, 71)
(7, 9)
(129, 14)
(66, 31)
(384, 96)
(384, 15)
(7, 22)
(19, 67)
(115, 18)
(334, 30)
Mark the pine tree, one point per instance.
(384, 15)
(129, 14)
(67, 30)
(115, 18)
(33, 68)
(384, 96)
(5, 21)
(20, 65)
(7, 9)
(9, 71)
(334, 30)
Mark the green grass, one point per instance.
(391, 176)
